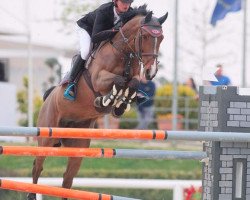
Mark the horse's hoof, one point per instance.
(117, 112)
(31, 196)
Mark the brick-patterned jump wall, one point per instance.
(224, 109)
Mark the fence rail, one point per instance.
(176, 185)
(86, 133)
(101, 152)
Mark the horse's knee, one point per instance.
(132, 90)
(119, 81)
(134, 84)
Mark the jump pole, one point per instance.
(57, 192)
(101, 153)
(85, 133)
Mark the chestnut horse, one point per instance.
(109, 84)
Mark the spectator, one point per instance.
(222, 79)
(145, 114)
(190, 83)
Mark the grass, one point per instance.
(110, 168)
(115, 167)
(140, 194)
(126, 168)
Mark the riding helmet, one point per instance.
(126, 1)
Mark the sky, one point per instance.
(193, 24)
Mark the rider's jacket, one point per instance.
(99, 21)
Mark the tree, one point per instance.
(55, 73)
(22, 100)
(74, 9)
(201, 43)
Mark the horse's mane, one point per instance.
(141, 10)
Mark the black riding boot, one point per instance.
(78, 66)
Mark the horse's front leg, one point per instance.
(124, 103)
(115, 92)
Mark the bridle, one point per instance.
(153, 30)
(135, 50)
(138, 44)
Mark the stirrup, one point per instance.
(69, 93)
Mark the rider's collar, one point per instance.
(116, 16)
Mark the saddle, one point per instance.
(65, 79)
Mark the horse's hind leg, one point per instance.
(74, 163)
(38, 164)
(73, 166)
(36, 172)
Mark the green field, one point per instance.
(110, 168)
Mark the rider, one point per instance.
(96, 26)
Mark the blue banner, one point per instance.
(223, 7)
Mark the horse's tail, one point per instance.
(46, 94)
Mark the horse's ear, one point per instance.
(148, 17)
(163, 18)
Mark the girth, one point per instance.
(87, 77)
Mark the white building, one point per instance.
(47, 42)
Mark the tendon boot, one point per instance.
(71, 89)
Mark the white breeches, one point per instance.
(85, 42)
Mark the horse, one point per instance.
(109, 85)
